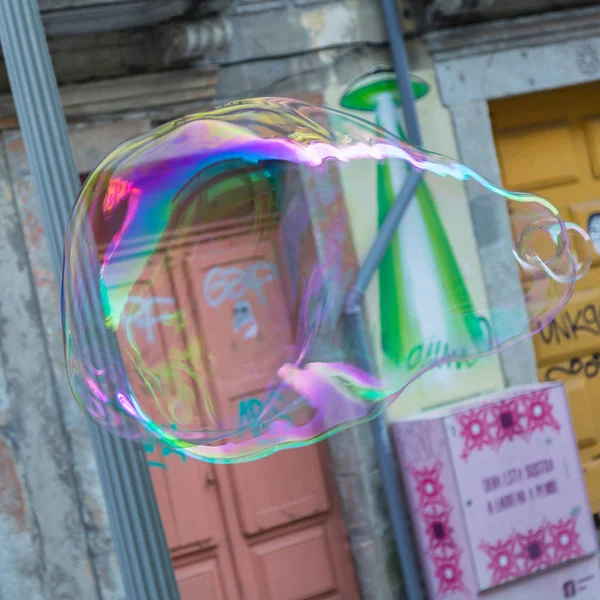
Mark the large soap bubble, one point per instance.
(208, 265)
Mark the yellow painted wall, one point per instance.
(445, 384)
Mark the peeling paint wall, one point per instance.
(307, 40)
(55, 538)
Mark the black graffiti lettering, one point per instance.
(568, 326)
(590, 368)
(575, 367)
(590, 316)
(554, 331)
(590, 324)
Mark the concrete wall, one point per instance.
(308, 42)
(56, 542)
(53, 527)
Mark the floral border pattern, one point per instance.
(524, 553)
(435, 512)
(504, 421)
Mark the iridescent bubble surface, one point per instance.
(208, 265)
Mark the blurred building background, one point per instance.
(513, 92)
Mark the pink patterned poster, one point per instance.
(496, 490)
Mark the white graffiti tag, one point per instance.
(144, 318)
(232, 283)
(244, 319)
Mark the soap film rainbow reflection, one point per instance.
(218, 250)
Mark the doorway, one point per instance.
(548, 143)
(265, 530)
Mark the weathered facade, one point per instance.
(124, 66)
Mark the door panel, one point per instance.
(191, 528)
(308, 550)
(549, 143)
(297, 492)
(201, 580)
(538, 156)
(258, 556)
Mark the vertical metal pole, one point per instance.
(354, 311)
(393, 25)
(135, 521)
(355, 323)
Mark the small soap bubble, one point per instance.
(209, 263)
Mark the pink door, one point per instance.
(288, 538)
(265, 530)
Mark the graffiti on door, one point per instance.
(251, 409)
(144, 318)
(151, 448)
(233, 283)
(163, 451)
